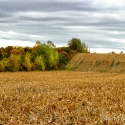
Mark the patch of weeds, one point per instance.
(73, 68)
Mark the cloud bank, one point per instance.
(101, 24)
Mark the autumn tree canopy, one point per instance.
(42, 56)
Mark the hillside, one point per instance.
(97, 62)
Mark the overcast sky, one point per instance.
(98, 23)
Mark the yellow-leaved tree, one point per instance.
(27, 62)
(14, 62)
(39, 62)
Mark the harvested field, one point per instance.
(98, 62)
(62, 98)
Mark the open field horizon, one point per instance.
(62, 98)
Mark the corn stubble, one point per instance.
(62, 98)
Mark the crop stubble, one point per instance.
(62, 98)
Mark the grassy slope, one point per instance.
(98, 62)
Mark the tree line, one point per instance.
(42, 56)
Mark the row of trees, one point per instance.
(39, 57)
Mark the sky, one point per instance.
(98, 23)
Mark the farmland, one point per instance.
(98, 62)
(62, 98)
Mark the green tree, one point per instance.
(38, 43)
(50, 55)
(39, 62)
(121, 52)
(76, 44)
(85, 48)
(51, 44)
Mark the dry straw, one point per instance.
(62, 98)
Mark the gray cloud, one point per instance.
(98, 23)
